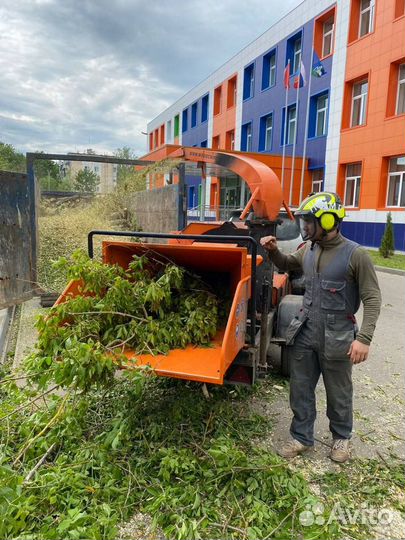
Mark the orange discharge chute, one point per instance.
(267, 195)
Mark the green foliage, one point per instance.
(387, 242)
(150, 445)
(126, 174)
(149, 307)
(11, 159)
(86, 181)
(79, 463)
(49, 175)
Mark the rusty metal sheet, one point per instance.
(17, 239)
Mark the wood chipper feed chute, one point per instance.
(212, 261)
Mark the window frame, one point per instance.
(269, 62)
(194, 115)
(363, 104)
(317, 181)
(327, 34)
(371, 9)
(184, 120)
(401, 83)
(325, 118)
(356, 191)
(267, 147)
(249, 144)
(392, 174)
(252, 68)
(204, 108)
(295, 53)
(291, 108)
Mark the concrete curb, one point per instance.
(390, 270)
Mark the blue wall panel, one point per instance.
(370, 234)
(273, 99)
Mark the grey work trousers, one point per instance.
(320, 347)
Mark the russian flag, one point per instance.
(301, 79)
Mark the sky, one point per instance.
(78, 74)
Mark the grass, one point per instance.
(396, 261)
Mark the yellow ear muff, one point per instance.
(327, 221)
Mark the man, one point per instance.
(338, 274)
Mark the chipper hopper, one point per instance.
(260, 306)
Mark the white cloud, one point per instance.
(92, 74)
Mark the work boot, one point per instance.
(340, 450)
(292, 448)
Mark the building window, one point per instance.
(359, 103)
(176, 125)
(231, 93)
(249, 81)
(366, 25)
(162, 134)
(266, 133)
(321, 115)
(194, 114)
(204, 108)
(317, 180)
(327, 40)
(352, 187)
(216, 142)
(396, 182)
(400, 108)
(246, 139)
(151, 141)
(230, 140)
(217, 99)
(399, 8)
(269, 70)
(184, 122)
(204, 144)
(290, 125)
(297, 55)
(169, 131)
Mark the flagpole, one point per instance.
(287, 86)
(304, 152)
(295, 142)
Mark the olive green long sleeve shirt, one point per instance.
(361, 271)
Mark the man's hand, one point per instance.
(269, 243)
(358, 352)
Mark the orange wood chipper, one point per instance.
(261, 307)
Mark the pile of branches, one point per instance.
(153, 306)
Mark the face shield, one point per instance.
(307, 225)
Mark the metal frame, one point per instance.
(200, 238)
(33, 189)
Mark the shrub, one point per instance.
(387, 242)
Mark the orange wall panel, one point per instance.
(383, 135)
(224, 118)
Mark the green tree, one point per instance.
(128, 178)
(387, 242)
(11, 159)
(49, 175)
(86, 181)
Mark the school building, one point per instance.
(321, 96)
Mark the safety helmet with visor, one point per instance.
(323, 208)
